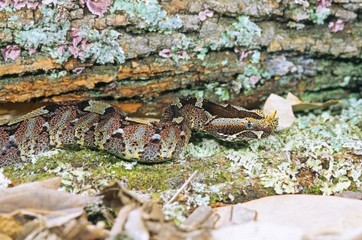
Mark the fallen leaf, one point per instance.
(283, 109)
(9, 226)
(298, 105)
(257, 231)
(135, 226)
(315, 216)
(349, 194)
(197, 218)
(43, 212)
(234, 214)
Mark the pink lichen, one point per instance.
(33, 5)
(78, 70)
(84, 45)
(243, 55)
(98, 7)
(76, 38)
(74, 51)
(61, 49)
(11, 52)
(79, 45)
(32, 51)
(4, 4)
(254, 80)
(166, 53)
(322, 4)
(19, 4)
(182, 54)
(336, 26)
(203, 15)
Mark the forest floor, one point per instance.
(319, 154)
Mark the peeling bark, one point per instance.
(312, 62)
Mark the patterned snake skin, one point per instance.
(98, 125)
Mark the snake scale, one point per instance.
(100, 126)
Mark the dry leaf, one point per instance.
(43, 212)
(135, 227)
(315, 216)
(197, 218)
(234, 214)
(41, 201)
(349, 194)
(52, 183)
(298, 105)
(257, 231)
(282, 107)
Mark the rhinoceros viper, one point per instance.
(101, 126)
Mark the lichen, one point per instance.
(318, 16)
(46, 35)
(252, 75)
(101, 47)
(51, 37)
(242, 33)
(148, 15)
(4, 181)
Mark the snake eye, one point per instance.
(249, 125)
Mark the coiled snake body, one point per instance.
(99, 125)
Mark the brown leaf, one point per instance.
(298, 105)
(9, 226)
(52, 183)
(197, 218)
(40, 209)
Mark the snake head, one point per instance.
(239, 129)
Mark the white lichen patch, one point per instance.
(50, 153)
(174, 211)
(326, 145)
(4, 181)
(205, 148)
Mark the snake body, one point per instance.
(101, 126)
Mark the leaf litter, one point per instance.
(38, 211)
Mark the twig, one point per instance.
(182, 188)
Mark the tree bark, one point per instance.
(209, 48)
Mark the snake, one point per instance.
(101, 126)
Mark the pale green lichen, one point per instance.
(319, 16)
(147, 15)
(58, 74)
(51, 37)
(102, 46)
(242, 33)
(203, 149)
(174, 211)
(46, 34)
